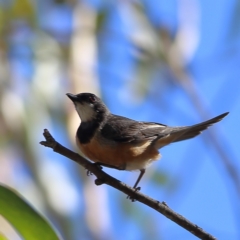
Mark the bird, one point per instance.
(122, 143)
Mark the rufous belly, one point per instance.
(129, 156)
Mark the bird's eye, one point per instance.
(92, 99)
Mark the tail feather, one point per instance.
(176, 134)
(193, 131)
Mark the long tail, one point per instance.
(176, 134)
(193, 131)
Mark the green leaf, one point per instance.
(2, 237)
(26, 220)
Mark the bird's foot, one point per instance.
(136, 190)
(98, 165)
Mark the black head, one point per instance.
(88, 106)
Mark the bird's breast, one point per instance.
(130, 155)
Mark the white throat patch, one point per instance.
(85, 111)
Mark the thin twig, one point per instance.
(104, 178)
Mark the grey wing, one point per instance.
(121, 129)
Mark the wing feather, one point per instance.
(121, 129)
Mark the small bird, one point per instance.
(122, 143)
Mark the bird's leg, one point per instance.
(142, 171)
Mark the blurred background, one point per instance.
(176, 62)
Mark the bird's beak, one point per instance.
(73, 97)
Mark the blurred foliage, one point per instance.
(16, 10)
(160, 178)
(2, 237)
(30, 224)
(22, 9)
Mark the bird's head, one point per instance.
(88, 106)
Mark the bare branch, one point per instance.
(103, 177)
